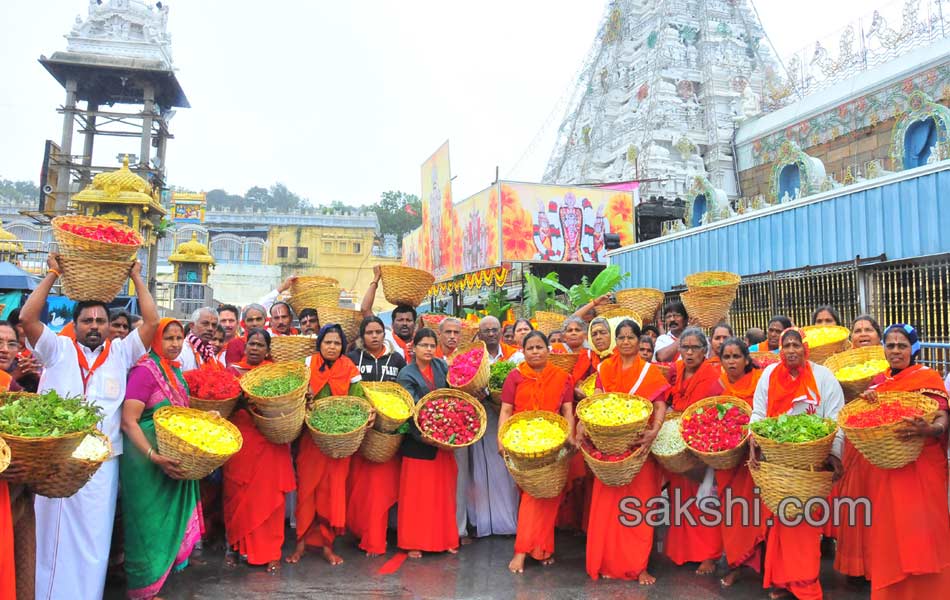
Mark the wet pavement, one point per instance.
(478, 572)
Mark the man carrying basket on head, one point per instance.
(73, 534)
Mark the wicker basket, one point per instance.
(708, 306)
(479, 381)
(223, 407)
(764, 358)
(643, 301)
(726, 459)
(338, 445)
(4, 456)
(565, 362)
(195, 462)
(77, 246)
(849, 358)
(458, 395)
(34, 455)
(548, 321)
(379, 447)
(600, 309)
(469, 332)
(880, 444)
(621, 312)
(313, 291)
(776, 483)
(288, 348)
(90, 279)
(283, 429)
(805, 455)
(682, 461)
(819, 354)
(293, 398)
(384, 423)
(432, 320)
(494, 401)
(525, 461)
(619, 473)
(348, 319)
(546, 482)
(613, 439)
(694, 281)
(66, 478)
(405, 285)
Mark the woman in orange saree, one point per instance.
(536, 385)
(615, 549)
(908, 541)
(741, 540)
(696, 379)
(794, 386)
(256, 479)
(321, 480)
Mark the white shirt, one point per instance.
(106, 387)
(390, 337)
(515, 358)
(666, 339)
(832, 399)
(188, 357)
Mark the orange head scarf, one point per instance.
(169, 367)
(784, 388)
(339, 375)
(744, 389)
(703, 383)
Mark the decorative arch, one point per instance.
(793, 169)
(924, 129)
(705, 203)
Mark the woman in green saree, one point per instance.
(161, 511)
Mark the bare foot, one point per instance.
(732, 577)
(646, 579)
(299, 551)
(706, 567)
(229, 561)
(465, 541)
(777, 594)
(548, 561)
(373, 554)
(453, 550)
(602, 576)
(331, 557)
(273, 566)
(517, 563)
(415, 554)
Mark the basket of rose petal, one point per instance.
(470, 369)
(670, 449)
(211, 387)
(614, 420)
(432, 320)
(716, 429)
(616, 469)
(764, 358)
(872, 427)
(79, 236)
(533, 438)
(795, 441)
(450, 419)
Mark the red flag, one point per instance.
(410, 210)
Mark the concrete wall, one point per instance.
(242, 284)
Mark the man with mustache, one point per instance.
(404, 319)
(667, 345)
(197, 349)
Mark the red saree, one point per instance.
(433, 486)
(371, 489)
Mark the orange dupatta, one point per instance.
(614, 378)
(703, 384)
(744, 389)
(915, 378)
(540, 391)
(339, 375)
(167, 366)
(785, 389)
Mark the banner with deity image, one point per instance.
(478, 230)
(438, 219)
(553, 223)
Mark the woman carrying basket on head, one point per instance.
(321, 480)
(907, 547)
(428, 475)
(796, 386)
(161, 512)
(536, 385)
(616, 550)
(741, 540)
(696, 379)
(257, 478)
(373, 488)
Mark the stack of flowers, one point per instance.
(212, 388)
(470, 369)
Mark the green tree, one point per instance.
(393, 216)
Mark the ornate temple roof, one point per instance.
(121, 186)
(192, 251)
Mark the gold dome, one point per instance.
(121, 180)
(192, 251)
(4, 234)
(121, 186)
(9, 242)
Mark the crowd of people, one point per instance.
(439, 500)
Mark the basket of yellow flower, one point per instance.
(533, 438)
(392, 402)
(856, 368)
(825, 340)
(199, 441)
(614, 420)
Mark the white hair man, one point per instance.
(197, 349)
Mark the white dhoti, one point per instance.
(462, 485)
(73, 536)
(493, 496)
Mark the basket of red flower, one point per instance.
(89, 237)
(450, 419)
(872, 427)
(614, 470)
(213, 388)
(717, 430)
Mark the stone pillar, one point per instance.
(162, 147)
(147, 113)
(91, 108)
(66, 148)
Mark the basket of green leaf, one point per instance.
(337, 424)
(43, 429)
(276, 389)
(496, 380)
(796, 441)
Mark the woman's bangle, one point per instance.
(149, 456)
(55, 272)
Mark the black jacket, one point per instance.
(385, 368)
(411, 379)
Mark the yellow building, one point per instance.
(344, 253)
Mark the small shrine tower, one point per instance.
(192, 262)
(10, 248)
(119, 55)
